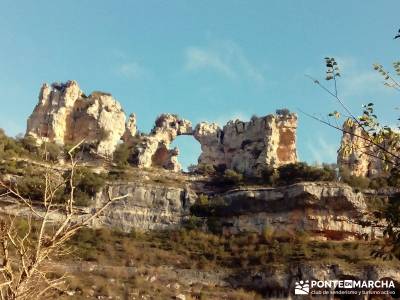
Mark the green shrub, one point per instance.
(214, 225)
(228, 178)
(119, 173)
(29, 143)
(378, 183)
(31, 187)
(10, 167)
(204, 169)
(203, 200)
(81, 198)
(28, 147)
(122, 154)
(357, 182)
(297, 172)
(192, 223)
(269, 175)
(87, 184)
(51, 151)
(10, 147)
(232, 177)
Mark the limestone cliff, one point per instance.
(147, 207)
(325, 210)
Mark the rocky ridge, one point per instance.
(66, 116)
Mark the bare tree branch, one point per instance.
(23, 267)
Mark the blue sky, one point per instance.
(205, 60)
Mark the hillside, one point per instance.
(247, 222)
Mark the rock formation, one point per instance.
(64, 115)
(248, 147)
(361, 157)
(130, 129)
(153, 149)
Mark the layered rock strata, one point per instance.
(147, 207)
(325, 210)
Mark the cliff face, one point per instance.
(64, 115)
(249, 146)
(147, 207)
(324, 210)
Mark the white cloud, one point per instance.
(357, 79)
(321, 150)
(198, 58)
(132, 70)
(226, 58)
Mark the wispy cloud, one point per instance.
(132, 70)
(199, 58)
(358, 79)
(224, 57)
(321, 150)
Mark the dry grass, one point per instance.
(133, 259)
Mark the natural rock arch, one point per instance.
(153, 149)
(189, 150)
(65, 115)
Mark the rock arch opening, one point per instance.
(189, 150)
